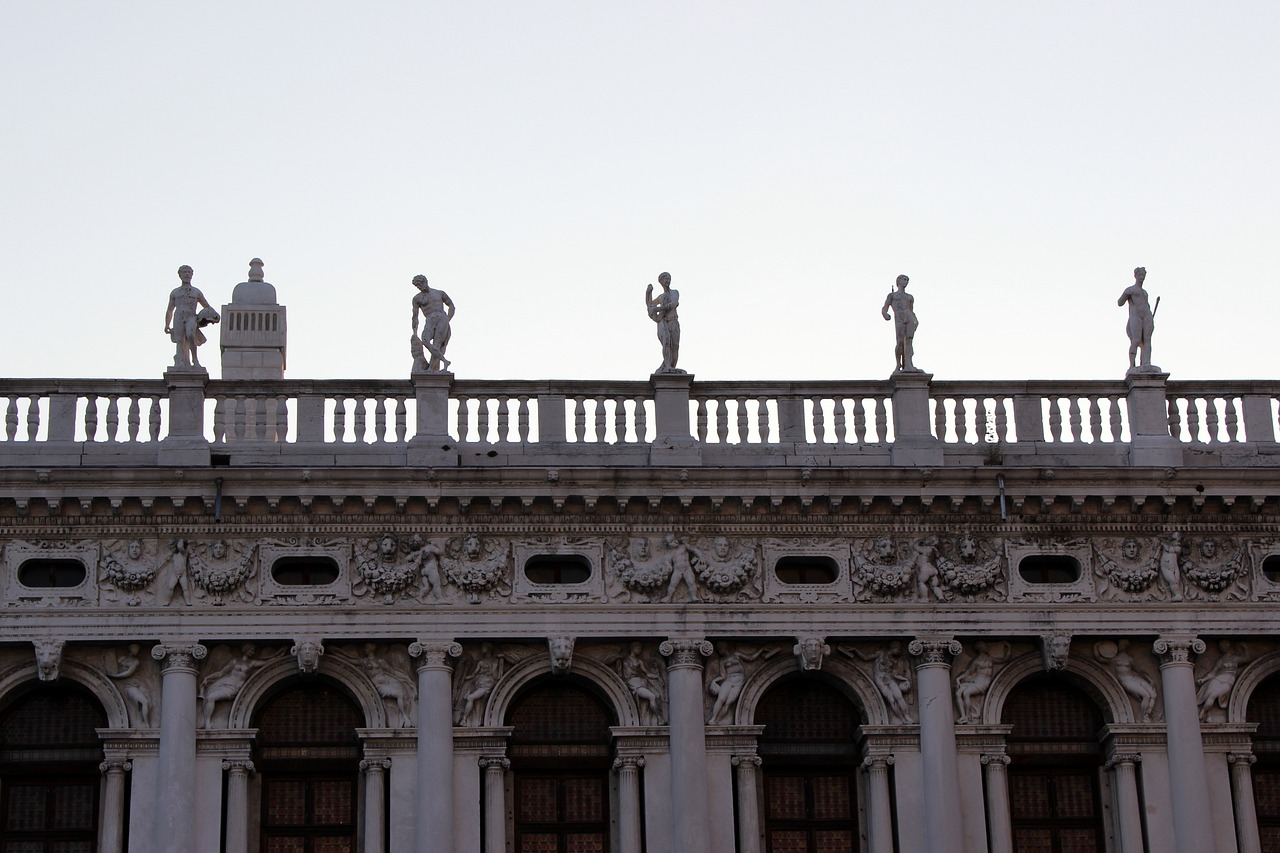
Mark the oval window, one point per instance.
(305, 571)
(1049, 568)
(1271, 568)
(806, 570)
(46, 574)
(557, 569)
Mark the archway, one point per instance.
(1264, 709)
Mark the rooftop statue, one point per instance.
(183, 319)
(255, 291)
(662, 310)
(435, 327)
(904, 325)
(1142, 322)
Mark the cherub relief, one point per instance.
(175, 576)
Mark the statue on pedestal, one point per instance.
(1142, 322)
(437, 310)
(904, 325)
(183, 319)
(663, 311)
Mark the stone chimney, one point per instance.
(253, 330)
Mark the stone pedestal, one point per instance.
(1150, 444)
(914, 443)
(185, 444)
(433, 815)
(689, 798)
(1188, 771)
(432, 446)
(673, 444)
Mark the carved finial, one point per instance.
(48, 659)
(255, 269)
(810, 650)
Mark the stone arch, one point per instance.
(844, 676)
(1096, 680)
(1250, 678)
(82, 674)
(344, 672)
(518, 676)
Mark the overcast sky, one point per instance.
(543, 162)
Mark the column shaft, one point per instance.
(629, 820)
(237, 804)
(1128, 808)
(495, 804)
(111, 836)
(879, 807)
(995, 772)
(689, 801)
(375, 804)
(1188, 771)
(1246, 811)
(942, 821)
(433, 815)
(175, 814)
(748, 803)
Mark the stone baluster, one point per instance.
(995, 773)
(433, 815)
(495, 804)
(1123, 767)
(692, 829)
(175, 807)
(748, 802)
(1246, 810)
(375, 803)
(629, 819)
(1188, 771)
(238, 772)
(111, 835)
(879, 806)
(938, 744)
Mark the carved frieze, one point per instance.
(221, 569)
(1215, 569)
(478, 567)
(274, 592)
(1127, 569)
(126, 569)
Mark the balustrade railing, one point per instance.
(554, 413)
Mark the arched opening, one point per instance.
(49, 776)
(560, 759)
(1055, 793)
(308, 762)
(1264, 709)
(809, 759)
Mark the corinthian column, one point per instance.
(689, 802)
(879, 808)
(495, 804)
(238, 771)
(942, 822)
(1128, 807)
(175, 808)
(1188, 772)
(433, 815)
(375, 803)
(629, 826)
(111, 836)
(1246, 810)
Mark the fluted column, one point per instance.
(1128, 807)
(175, 807)
(111, 836)
(375, 803)
(238, 771)
(942, 819)
(692, 829)
(879, 806)
(995, 775)
(629, 820)
(433, 814)
(748, 802)
(1188, 771)
(495, 804)
(1246, 811)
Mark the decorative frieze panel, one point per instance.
(53, 573)
(286, 577)
(1214, 569)
(1050, 570)
(1264, 557)
(797, 588)
(540, 577)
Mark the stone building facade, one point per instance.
(459, 616)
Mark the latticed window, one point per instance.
(560, 764)
(809, 758)
(308, 758)
(1264, 709)
(1054, 791)
(49, 755)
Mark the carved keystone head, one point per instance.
(308, 651)
(48, 659)
(811, 650)
(561, 648)
(1057, 648)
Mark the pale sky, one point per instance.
(543, 162)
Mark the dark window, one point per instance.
(42, 573)
(806, 570)
(1271, 568)
(304, 571)
(557, 569)
(1049, 568)
(1264, 709)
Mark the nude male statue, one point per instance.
(1141, 321)
(662, 310)
(183, 319)
(437, 310)
(904, 324)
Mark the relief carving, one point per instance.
(973, 567)
(728, 673)
(636, 569)
(1216, 568)
(390, 671)
(478, 567)
(882, 569)
(226, 674)
(387, 566)
(475, 677)
(138, 683)
(308, 651)
(890, 675)
(1127, 569)
(1056, 649)
(48, 658)
(810, 650)
(176, 575)
(1213, 688)
(222, 569)
(560, 648)
(677, 565)
(1140, 686)
(646, 678)
(129, 568)
(728, 571)
(975, 677)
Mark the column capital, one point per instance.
(1130, 758)
(877, 762)
(1245, 758)
(628, 762)
(752, 760)
(934, 651)
(1177, 650)
(177, 657)
(435, 653)
(685, 653)
(374, 765)
(115, 766)
(994, 758)
(238, 765)
(491, 763)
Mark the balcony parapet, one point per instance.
(437, 420)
